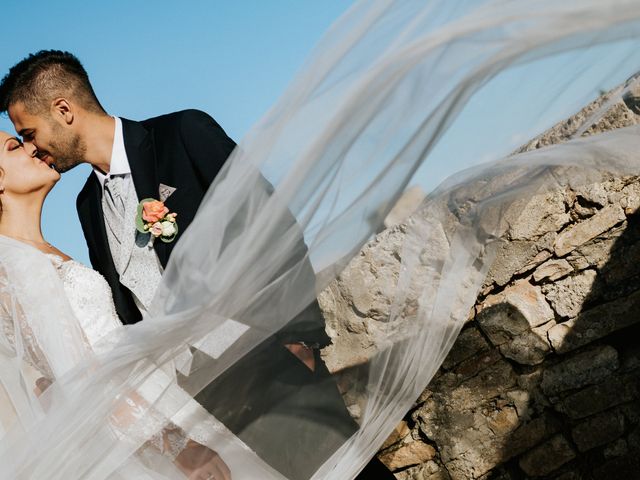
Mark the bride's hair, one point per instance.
(41, 77)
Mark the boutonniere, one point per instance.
(155, 218)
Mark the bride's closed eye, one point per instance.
(13, 144)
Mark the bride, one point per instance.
(25, 181)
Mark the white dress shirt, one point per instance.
(119, 161)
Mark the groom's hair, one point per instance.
(44, 76)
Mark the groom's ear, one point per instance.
(62, 110)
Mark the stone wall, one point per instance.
(544, 380)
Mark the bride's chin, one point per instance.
(54, 176)
(48, 186)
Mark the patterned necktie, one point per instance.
(113, 206)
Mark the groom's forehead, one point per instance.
(21, 118)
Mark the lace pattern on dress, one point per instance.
(92, 303)
(90, 299)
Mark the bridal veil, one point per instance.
(383, 96)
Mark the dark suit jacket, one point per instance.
(185, 150)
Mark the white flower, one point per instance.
(168, 229)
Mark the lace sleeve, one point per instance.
(137, 419)
(169, 442)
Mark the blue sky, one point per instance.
(231, 59)
(234, 58)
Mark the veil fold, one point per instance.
(374, 104)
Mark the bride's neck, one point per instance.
(21, 218)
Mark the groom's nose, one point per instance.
(31, 149)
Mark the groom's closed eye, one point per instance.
(27, 136)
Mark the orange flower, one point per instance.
(154, 211)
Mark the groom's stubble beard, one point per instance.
(67, 149)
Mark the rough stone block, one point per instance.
(547, 457)
(540, 258)
(427, 471)
(472, 366)
(399, 433)
(596, 194)
(529, 348)
(595, 323)
(567, 296)
(595, 253)
(531, 434)
(469, 343)
(552, 270)
(582, 232)
(510, 258)
(598, 430)
(585, 368)
(488, 384)
(538, 215)
(481, 448)
(407, 455)
(614, 391)
(514, 311)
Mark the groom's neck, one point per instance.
(99, 133)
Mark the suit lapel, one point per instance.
(139, 145)
(91, 213)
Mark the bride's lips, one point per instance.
(46, 158)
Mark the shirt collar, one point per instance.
(119, 162)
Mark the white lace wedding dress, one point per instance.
(89, 298)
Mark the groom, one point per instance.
(174, 158)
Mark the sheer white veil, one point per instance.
(374, 101)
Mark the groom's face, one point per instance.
(57, 143)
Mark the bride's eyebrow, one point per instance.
(10, 138)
